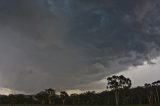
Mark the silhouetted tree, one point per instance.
(51, 95)
(156, 85)
(64, 96)
(149, 92)
(42, 97)
(125, 84)
(118, 82)
(75, 99)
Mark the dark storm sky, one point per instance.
(65, 44)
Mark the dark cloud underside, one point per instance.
(67, 43)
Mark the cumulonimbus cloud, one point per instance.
(67, 43)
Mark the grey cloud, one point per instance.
(68, 43)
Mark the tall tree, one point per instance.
(64, 97)
(75, 99)
(51, 95)
(118, 82)
(125, 84)
(149, 92)
(156, 85)
(42, 97)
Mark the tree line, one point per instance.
(118, 92)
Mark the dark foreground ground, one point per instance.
(67, 105)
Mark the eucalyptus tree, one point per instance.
(42, 97)
(156, 85)
(125, 84)
(75, 99)
(118, 82)
(64, 96)
(51, 95)
(149, 92)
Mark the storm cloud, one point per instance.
(65, 44)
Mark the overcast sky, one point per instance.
(74, 44)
